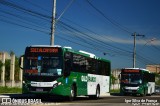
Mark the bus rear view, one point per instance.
(137, 81)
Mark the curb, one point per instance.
(105, 95)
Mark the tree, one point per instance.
(1, 64)
(157, 79)
(7, 69)
(17, 69)
(113, 80)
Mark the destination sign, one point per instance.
(31, 71)
(131, 71)
(44, 50)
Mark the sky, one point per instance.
(101, 27)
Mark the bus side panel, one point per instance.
(151, 87)
(106, 84)
(94, 80)
(81, 84)
(76, 79)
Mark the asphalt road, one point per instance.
(113, 100)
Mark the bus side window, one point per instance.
(103, 68)
(99, 68)
(93, 70)
(68, 61)
(107, 69)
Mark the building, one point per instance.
(154, 68)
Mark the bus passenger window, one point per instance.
(68, 61)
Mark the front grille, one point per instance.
(40, 89)
(130, 91)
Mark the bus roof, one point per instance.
(44, 46)
(137, 69)
(87, 54)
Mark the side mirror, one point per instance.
(21, 61)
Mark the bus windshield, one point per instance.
(131, 78)
(47, 64)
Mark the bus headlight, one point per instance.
(140, 87)
(57, 84)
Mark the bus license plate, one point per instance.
(129, 90)
(39, 89)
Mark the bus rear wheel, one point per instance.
(97, 92)
(72, 93)
(144, 93)
(97, 95)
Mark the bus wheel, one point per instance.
(144, 93)
(72, 93)
(125, 94)
(97, 95)
(150, 92)
(97, 92)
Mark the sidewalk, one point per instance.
(105, 95)
(10, 95)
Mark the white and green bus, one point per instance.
(56, 70)
(137, 81)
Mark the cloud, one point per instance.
(121, 40)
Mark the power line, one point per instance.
(13, 23)
(145, 60)
(113, 22)
(99, 36)
(109, 19)
(31, 12)
(93, 48)
(27, 20)
(36, 5)
(142, 59)
(157, 48)
(141, 53)
(90, 38)
(134, 49)
(82, 36)
(65, 9)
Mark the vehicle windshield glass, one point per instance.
(47, 64)
(131, 78)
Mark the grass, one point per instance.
(115, 91)
(6, 89)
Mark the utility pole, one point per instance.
(53, 23)
(134, 49)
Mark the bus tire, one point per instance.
(97, 95)
(97, 92)
(144, 93)
(150, 94)
(72, 93)
(125, 94)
